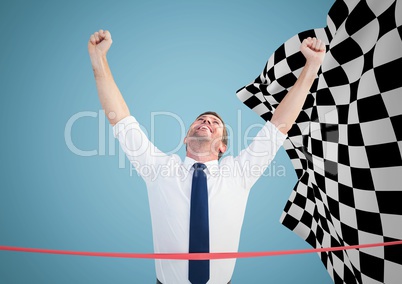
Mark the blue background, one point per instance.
(181, 57)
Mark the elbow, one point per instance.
(115, 117)
(284, 128)
(281, 126)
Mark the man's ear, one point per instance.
(223, 148)
(185, 140)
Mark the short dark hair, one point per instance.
(225, 131)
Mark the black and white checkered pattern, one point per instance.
(346, 144)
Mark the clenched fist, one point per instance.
(99, 43)
(313, 50)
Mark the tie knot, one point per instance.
(199, 166)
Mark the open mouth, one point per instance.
(205, 127)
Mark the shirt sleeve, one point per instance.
(141, 152)
(252, 161)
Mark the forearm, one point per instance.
(288, 110)
(109, 94)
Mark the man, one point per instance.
(227, 182)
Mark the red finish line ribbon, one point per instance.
(197, 256)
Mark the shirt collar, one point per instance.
(212, 166)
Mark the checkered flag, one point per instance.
(346, 144)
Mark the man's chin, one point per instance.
(202, 132)
(202, 135)
(203, 138)
(199, 139)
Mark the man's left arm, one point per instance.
(288, 110)
(253, 160)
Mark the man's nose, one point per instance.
(207, 121)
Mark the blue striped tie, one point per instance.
(199, 226)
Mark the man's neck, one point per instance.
(202, 158)
(201, 151)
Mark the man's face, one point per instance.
(207, 128)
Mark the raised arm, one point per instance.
(109, 94)
(288, 110)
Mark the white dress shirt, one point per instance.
(168, 181)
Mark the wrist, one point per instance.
(99, 63)
(311, 68)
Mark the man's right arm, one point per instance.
(109, 94)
